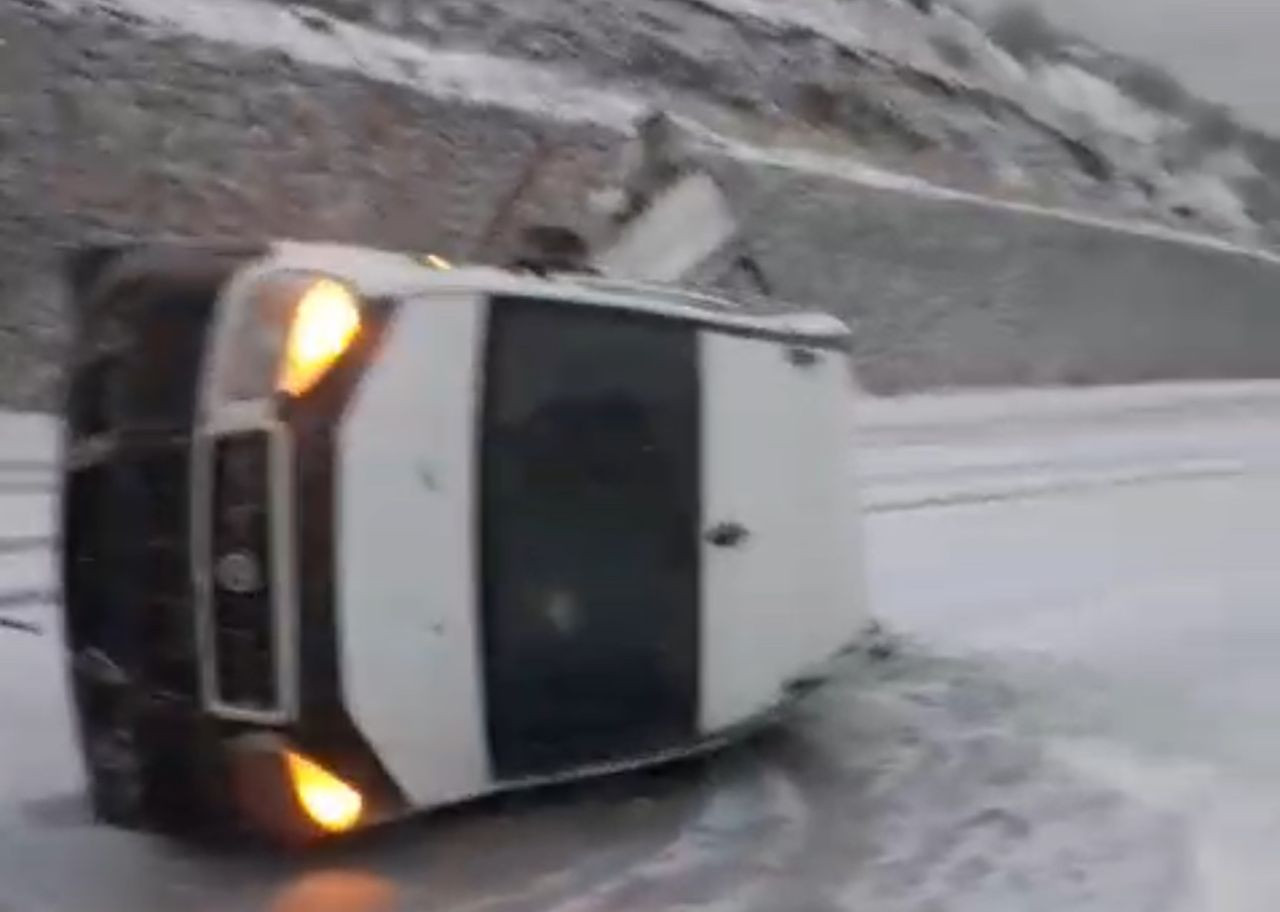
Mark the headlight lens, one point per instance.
(325, 323)
(331, 804)
(289, 333)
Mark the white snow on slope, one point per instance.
(1210, 197)
(838, 20)
(844, 167)
(1099, 101)
(320, 40)
(542, 91)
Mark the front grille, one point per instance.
(140, 335)
(142, 320)
(243, 622)
(166, 627)
(127, 585)
(127, 579)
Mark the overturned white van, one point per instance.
(347, 534)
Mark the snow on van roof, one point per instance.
(400, 274)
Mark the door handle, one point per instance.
(728, 534)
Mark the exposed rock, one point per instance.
(127, 118)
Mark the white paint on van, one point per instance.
(406, 562)
(776, 459)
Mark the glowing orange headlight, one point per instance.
(332, 804)
(325, 323)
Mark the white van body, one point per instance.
(540, 527)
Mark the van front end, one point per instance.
(197, 532)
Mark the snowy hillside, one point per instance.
(1024, 112)
(982, 217)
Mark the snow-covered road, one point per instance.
(1081, 716)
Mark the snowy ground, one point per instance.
(1081, 717)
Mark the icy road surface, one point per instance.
(1085, 714)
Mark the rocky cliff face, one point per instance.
(129, 118)
(914, 84)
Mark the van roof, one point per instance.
(380, 273)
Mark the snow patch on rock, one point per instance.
(317, 39)
(1100, 103)
(1208, 197)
